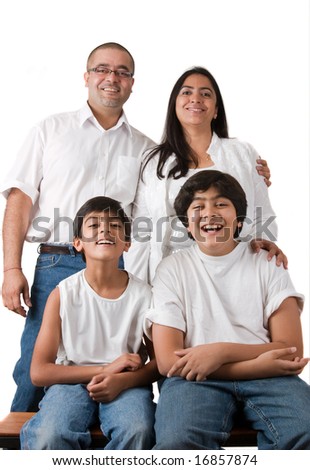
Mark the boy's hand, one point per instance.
(273, 250)
(127, 361)
(104, 388)
(275, 363)
(197, 363)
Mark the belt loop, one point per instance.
(72, 250)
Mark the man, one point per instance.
(66, 159)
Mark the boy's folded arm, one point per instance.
(146, 375)
(166, 341)
(46, 374)
(205, 360)
(272, 363)
(278, 358)
(138, 377)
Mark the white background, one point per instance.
(258, 51)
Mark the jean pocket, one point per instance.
(46, 261)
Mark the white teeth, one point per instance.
(105, 242)
(108, 88)
(211, 227)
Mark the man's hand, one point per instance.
(14, 287)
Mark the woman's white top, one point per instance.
(157, 232)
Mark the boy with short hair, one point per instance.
(89, 350)
(226, 331)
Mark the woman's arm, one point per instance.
(263, 170)
(137, 257)
(273, 250)
(263, 223)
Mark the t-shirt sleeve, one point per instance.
(280, 287)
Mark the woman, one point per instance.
(195, 138)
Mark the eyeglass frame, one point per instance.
(108, 71)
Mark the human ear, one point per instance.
(86, 77)
(127, 246)
(78, 244)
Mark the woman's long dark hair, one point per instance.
(173, 140)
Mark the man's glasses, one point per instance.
(104, 71)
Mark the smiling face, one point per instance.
(212, 221)
(103, 237)
(196, 102)
(109, 91)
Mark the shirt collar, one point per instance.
(215, 141)
(86, 114)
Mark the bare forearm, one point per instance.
(15, 225)
(235, 352)
(50, 374)
(141, 377)
(274, 363)
(15, 289)
(213, 360)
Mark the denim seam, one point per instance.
(266, 420)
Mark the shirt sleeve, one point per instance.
(138, 256)
(26, 172)
(264, 223)
(279, 288)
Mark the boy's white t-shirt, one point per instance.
(96, 330)
(219, 298)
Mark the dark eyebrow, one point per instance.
(201, 88)
(119, 67)
(201, 198)
(100, 217)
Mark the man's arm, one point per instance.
(15, 224)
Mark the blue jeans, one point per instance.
(200, 415)
(66, 413)
(49, 271)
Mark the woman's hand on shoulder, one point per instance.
(273, 250)
(263, 170)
